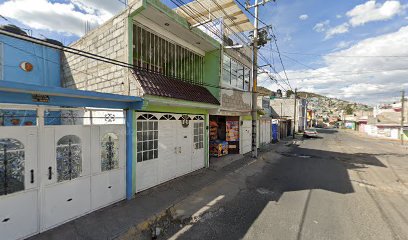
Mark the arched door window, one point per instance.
(69, 158)
(109, 152)
(11, 166)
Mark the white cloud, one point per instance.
(350, 74)
(303, 17)
(372, 11)
(68, 17)
(340, 29)
(343, 44)
(322, 26)
(339, 16)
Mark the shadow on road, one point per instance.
(296, 170)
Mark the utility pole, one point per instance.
(402, 116)
(294, 114)
(255, 73)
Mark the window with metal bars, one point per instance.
(156, 53)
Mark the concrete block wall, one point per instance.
(235, 100)
(109, 40)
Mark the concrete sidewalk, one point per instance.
(128, 219)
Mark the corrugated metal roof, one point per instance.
(163, 86)
(240, 21)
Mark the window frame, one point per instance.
(147, 136)
(235, 73)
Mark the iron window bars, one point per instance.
(156, 53)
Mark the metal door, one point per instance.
(168, 147)
(108, 150)
(185, 145)
(65, 174)
(19, 181)
(198, 159)
(147, 158)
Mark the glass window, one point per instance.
(11, 166)
(109, 152)
(147, 137)
(235, 73)
(199, 135)
(69, 158)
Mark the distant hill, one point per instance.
(326, 106)
(264, 91)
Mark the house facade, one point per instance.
(178, 78)
(63, 152)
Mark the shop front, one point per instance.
(227, 134)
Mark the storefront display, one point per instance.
(224, 135)
(218, 148)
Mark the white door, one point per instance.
(168, 148)
(198, 156)
(19, 181)
(147, 162)
(65, 174)
(108, 150)
(185, 145)
(246, 139)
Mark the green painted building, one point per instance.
(177, 71)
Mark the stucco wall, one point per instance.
(234, 100)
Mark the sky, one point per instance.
(354, 50)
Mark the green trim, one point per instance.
(246, 118)
(134, 153)
(153, 102)
(212, 72)
(130, 29)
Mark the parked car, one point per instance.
(311, 132)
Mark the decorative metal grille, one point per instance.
(11, 166)
(69, 158)
(110, 152)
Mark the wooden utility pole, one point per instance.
(294, 114)
(402, 115)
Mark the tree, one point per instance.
(289, 93)
(348, 109)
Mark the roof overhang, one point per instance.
(18, 93)
(236, 20)
(168, 20)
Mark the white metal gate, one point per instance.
(168, 146)
(64, 167)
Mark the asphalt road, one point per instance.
(338, 186)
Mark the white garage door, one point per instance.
(168, 146)
(81, 168)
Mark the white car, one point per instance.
(311, 132)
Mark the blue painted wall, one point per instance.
(46, 62)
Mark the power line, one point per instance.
(93, 57)
(346, 56)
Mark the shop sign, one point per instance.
(40, 98)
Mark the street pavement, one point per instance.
(337, 186)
